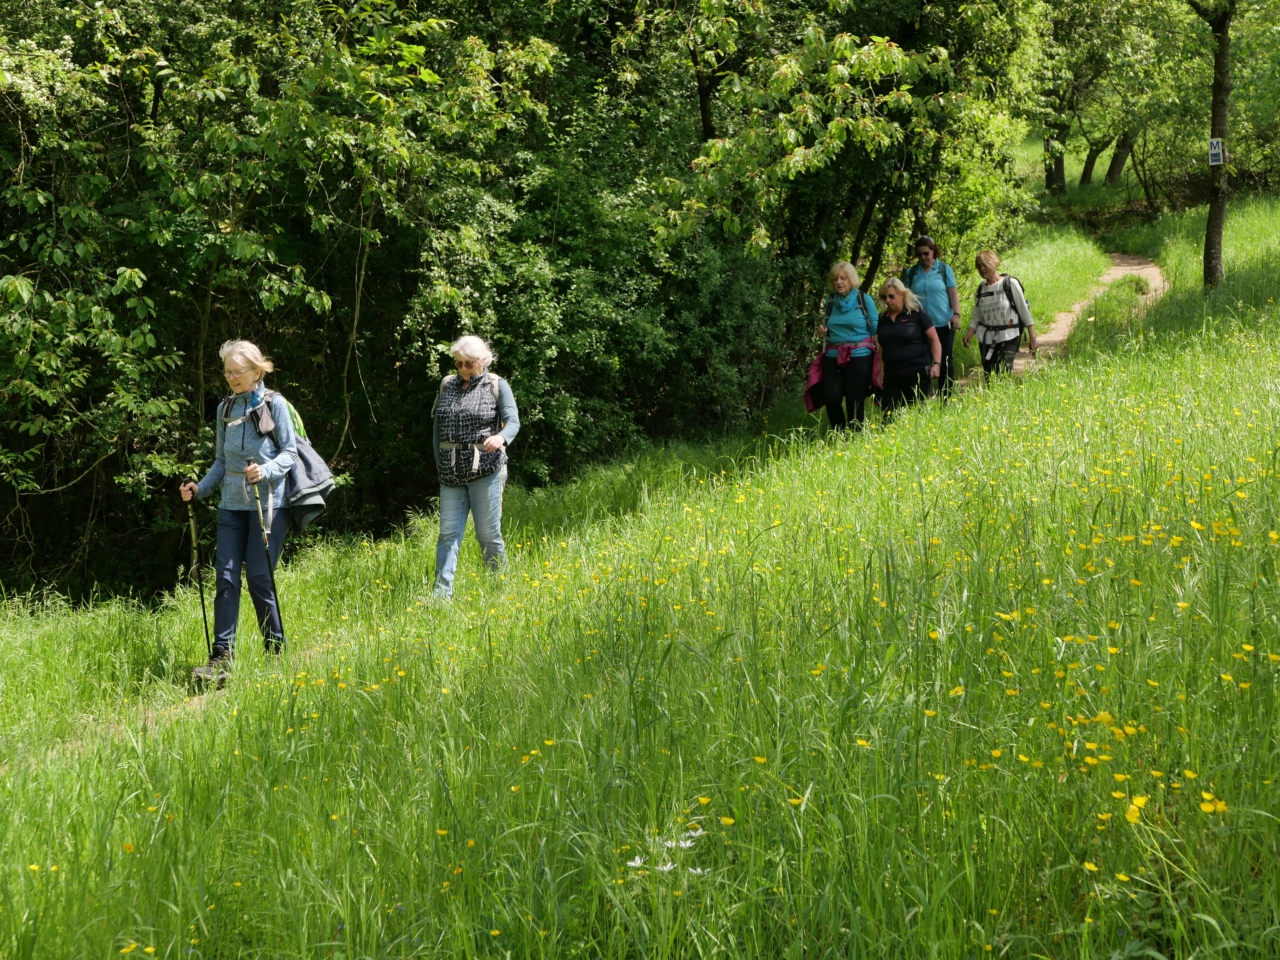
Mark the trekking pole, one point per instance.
(195, 572)
(266, 548)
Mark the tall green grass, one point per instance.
(1188, 312)
(999, 678)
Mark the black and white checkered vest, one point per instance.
(467, 418)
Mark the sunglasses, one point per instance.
(461, 364)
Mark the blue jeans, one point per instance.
(240, 546)
(483, 498)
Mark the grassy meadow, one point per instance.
(998, 680)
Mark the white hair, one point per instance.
(246, 354)
(472, 348)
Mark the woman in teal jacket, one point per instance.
(848, 332)
(934, 284)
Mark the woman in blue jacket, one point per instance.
(255, 447)
(849, 333)
(934, 284)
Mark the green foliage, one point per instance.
(637, 210)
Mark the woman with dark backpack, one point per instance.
(1000, 313)
(255, 447)
(848, 335)
(474, 419)
(909, 347)
(934, 284)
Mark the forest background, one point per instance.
(636, 205)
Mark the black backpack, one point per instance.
(309, 482)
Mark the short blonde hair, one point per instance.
(472, 348)
(845, 267)
(247, 355)
(988, 259)
(909, 299)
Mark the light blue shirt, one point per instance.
(237, 443)
(932, 289)
(847, 324)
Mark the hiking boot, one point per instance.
(217, 670)
(273, 645)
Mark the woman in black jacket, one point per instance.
(909, 347)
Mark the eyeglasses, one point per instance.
(463, 364)
(235, 374)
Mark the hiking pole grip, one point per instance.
(195, 572)
(266, 549)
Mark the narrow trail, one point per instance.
(1052, 341)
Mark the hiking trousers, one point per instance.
(843, 386)
(904, 389)
(481, 498)
(947, 365)
(240, 548)
(998, 357)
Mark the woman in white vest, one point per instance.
(999, 314)
(474, 419)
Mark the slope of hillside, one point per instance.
(1001, 677)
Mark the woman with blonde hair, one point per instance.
(255, 447)
(1000, 313)
(475, 418)
(848, 335)
(909, 347)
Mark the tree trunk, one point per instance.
(1055, 168)
(1091, 161)
(877, 252)
(864, 225)
(1119, 157)
(706, 86)
(1218, 16)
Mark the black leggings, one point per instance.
(947, 367)
(846, 385)
(903, 389)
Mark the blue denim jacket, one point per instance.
(240, 442)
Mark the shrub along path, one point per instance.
(1051, 342)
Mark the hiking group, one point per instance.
(894, 350)
(269, 480)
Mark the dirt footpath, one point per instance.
(1053, 339)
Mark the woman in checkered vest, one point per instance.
(475, 418)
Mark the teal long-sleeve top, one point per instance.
(846, 322)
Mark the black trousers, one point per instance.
(903, 389)
(846, 386)
(998, 358)
(947, 367)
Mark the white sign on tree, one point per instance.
(1217, 153)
